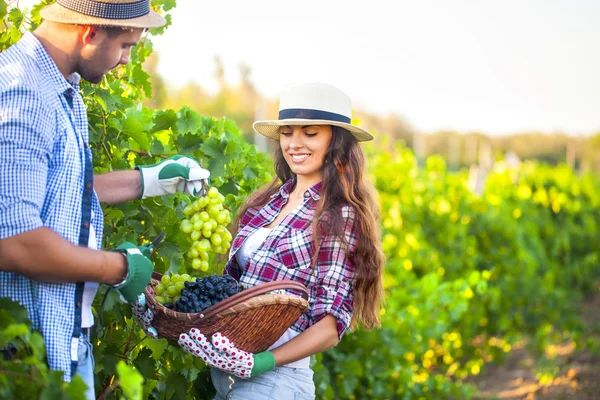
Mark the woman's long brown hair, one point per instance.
(344, 182)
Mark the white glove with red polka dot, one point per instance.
(144, 316)
(222, 354)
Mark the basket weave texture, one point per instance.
(252, 319)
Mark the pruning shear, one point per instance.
(149, 248)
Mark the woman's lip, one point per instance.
(301, 160)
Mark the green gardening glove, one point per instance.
(175, 174)
(139, 272)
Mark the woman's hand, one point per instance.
(144, 316)
(222, 354)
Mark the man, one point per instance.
(50, 216)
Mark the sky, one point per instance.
(496, 67)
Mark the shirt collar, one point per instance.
(33, 47)
(313, 191)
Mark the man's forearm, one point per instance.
(118, 187)
(44, 255)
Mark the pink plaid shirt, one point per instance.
(287, 253)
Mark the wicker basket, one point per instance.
(251, 319)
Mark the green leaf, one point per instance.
(130, 381)
(137, 124)
(188, 143)
(216, 166)
(164, 119)
(214, 147)
(129, 209)
(176, 385)
(16, 17)
(229, 187)
(157, 147)
(76, 389)
(12, 312)
(188, 121)
(2, 9)
(157, 347)
(136, 225)
(141, 79)
(146, 364)
(248, 174)
(112, 215)
(169, 4)
(230, 126)
(53, 389)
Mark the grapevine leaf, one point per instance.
(112, 215)
(216, 166)
(130, 380)
(76, 390)
(188, 143)
(230, 126)
(157, 147)
(164, 119)
(229, 187)
(175, 264)
(145, 364)
(141, 79)
(248, 174)
(157, 347)
(213, 147)
(11, 312)
(136, 225)
(169, 4)
(176, 385)
(188, 121)
(2, 9)
(16, 17)
(52, 391)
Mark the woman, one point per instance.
(316, 223)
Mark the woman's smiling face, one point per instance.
(304, 148)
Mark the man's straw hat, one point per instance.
(312, 104)
(124, 13)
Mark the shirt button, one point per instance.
(86, 225)
(88, 186)
(78, 304)
(86, 145)
(306, 194)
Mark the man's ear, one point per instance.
(89, 34)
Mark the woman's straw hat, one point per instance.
(124, 13)
(312, 104)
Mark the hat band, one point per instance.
(100, 9)
(307, 113)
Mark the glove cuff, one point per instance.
(263, 362)
(138, 276)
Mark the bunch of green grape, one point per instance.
(205, 225)
(169, 288)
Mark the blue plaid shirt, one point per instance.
(46, 180)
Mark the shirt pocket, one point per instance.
(297, 249)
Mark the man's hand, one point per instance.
(139, 272)
(222, 354)
(175, 174)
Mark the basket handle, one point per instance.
(252, 292)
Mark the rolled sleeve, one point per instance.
(25, 146)
(336, 276)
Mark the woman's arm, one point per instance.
(118, 187)
(321, 336)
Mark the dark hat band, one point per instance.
(100, 9)
(307, 113)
